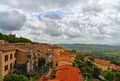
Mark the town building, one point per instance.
(24, 60)
(7, 60)
(102, 64)
(62, 60)
(57, 49)
(43, 54)
(68, 73)
(65, 73)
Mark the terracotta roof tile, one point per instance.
(53, 80)
(23, 50)
(118, 67)
(87, 57)
(102, 62)
(71, 74)
(68, 67)
(42, 46)
(112, 65)
(6, 47)
(62, 58)
(56, 46)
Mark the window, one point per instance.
(6, 67)
(11, 56)
(15, 55)
(6, 58)
(56, 64)
(15, 62)
(11, 66)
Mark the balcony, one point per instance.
(20, 66)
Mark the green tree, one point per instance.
(81, 64)
(79, 61)
(15, 77)
(117, 77)
(96, 72)
(109, 75)
(13, 39)
(73, 50)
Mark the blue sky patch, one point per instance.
(39, 16)
(58, 12)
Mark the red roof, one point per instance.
(41, 78)
(70, 74)
(62, 58)
(6, 47)
(42, 46)
(87, 57)
(102, 62)
(112, 65)
(53, 80)
(106, 63)
(56, 46)
(118, 67)
(23, 50)
(67, 67)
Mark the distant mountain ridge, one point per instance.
(94, 47)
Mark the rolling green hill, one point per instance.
(107, 52)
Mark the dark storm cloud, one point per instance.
(11, 20)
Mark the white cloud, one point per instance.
(79, 21)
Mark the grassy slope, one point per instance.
(101, 51)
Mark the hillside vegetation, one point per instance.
(13, 39)
(107, 52)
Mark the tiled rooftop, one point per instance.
(62, 58)
(25, 50)
(118, 67)
(67, 67)
(113, 65)
(6, 47)
(87, 57)
(70, 74)
(102, 62)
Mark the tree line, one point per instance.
(13, 39)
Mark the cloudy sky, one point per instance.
(62, 21)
